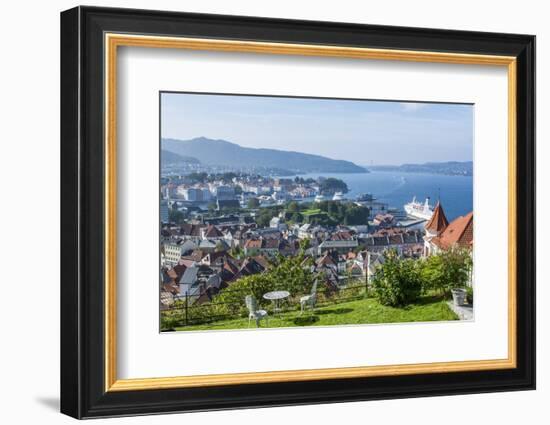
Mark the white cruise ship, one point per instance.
(419, 210)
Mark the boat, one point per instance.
(419, 210)
(365, 197)
(319, 198)
(338, 196)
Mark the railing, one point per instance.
(187, 311)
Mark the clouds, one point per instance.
(361, 131)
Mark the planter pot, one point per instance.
(459, 296)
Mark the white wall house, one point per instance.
(174, 250)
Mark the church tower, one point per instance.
(437, 223)
(434, 227)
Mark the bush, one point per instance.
(397, 282)
(170, 319)
(447, 270)
(470, 295)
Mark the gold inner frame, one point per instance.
(113, 41)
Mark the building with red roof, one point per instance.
(442, 235)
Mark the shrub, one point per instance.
(170, 319)
(470, 295)
(447, 270)
(397, 282)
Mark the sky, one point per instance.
(366, 132)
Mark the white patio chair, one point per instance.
(254, 313)
(309, 300)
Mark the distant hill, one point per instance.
(224, 153)
(451, 168)
(167, 157)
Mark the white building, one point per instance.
(169, 191)
(276, 223)
(195, 194)
(303, 231)
(223, 192)
(174, 250)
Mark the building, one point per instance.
(252, 247)
(304, 231)
(277, 223)
(173, 251)
(224, 193)
(211, 232)
(228, 204)
(343, 245)
(384, 220)
(437, 223)
(442, 235)
(374, 261)
(191, 231)
(193, 194)
(393, 238)
(169, 190)
(164, 212)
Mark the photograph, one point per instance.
(281, 212)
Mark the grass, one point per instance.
(361, 311)
(311, 211)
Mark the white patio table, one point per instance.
(276, 297)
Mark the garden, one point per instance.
(401, 290)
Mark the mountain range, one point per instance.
(228, 154)
(451, 168)
(167, 157)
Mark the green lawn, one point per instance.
(356, 312)
(311, 211)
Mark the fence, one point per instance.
(188, 311)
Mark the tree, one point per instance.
(355, 215)
(228, 177)
(220, 246)
(176, 216)
(287, 273)
(263, 219)
(397, 282)
(236, 252)
(297, 217)
(293, 207)
(304, 245)
(198, 177)
(331, 185)
(253, 203)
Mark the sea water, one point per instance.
(398, 188)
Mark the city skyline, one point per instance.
(366, 132)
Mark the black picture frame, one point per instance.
(82, 212)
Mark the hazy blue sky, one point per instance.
(365, 132)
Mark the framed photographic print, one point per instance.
(261, 212)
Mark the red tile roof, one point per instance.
(326, 260)
(438, 222)
(253, 243)
(190, 230)
(459, 232)
(341, 236)
(179, 270)
(212, 232)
